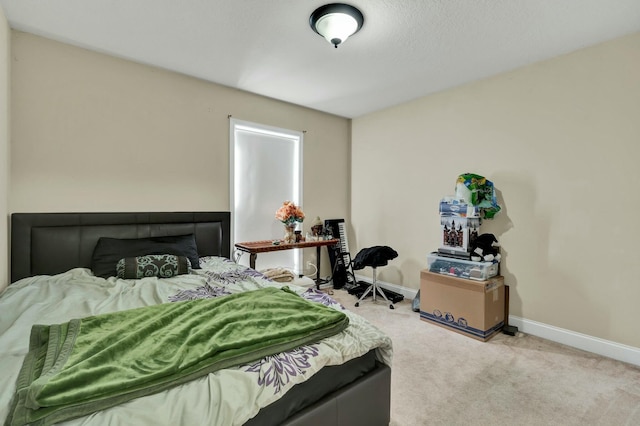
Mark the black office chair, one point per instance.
(374, 257)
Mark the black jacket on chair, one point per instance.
(374, 257)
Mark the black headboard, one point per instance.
(52, 243)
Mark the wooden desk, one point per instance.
(255, 247)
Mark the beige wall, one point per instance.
(561, 142)
(4, 148)
(92, 132)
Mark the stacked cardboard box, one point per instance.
(456, 292)
(460, 229)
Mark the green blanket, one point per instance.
(93, 363)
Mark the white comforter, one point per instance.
(227, 397)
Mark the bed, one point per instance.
(343, 379)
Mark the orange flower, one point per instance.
(289, 213)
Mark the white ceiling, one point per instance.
(405, 50)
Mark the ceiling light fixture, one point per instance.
(336, 22)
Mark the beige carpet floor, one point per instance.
(442, 378)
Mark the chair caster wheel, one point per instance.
(357, 304)
(391, 307)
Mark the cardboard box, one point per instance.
(472, 308)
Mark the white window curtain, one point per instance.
(266, 170)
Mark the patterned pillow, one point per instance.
(152, 265)
(109, 251)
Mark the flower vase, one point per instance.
(289, 234)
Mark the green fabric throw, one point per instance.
(89, 364)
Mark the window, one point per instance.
(266, 170)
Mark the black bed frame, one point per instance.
(52, 243)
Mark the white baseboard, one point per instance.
(581, 341)
(585, 342)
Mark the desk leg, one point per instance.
(252, 260)
(318, 271)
